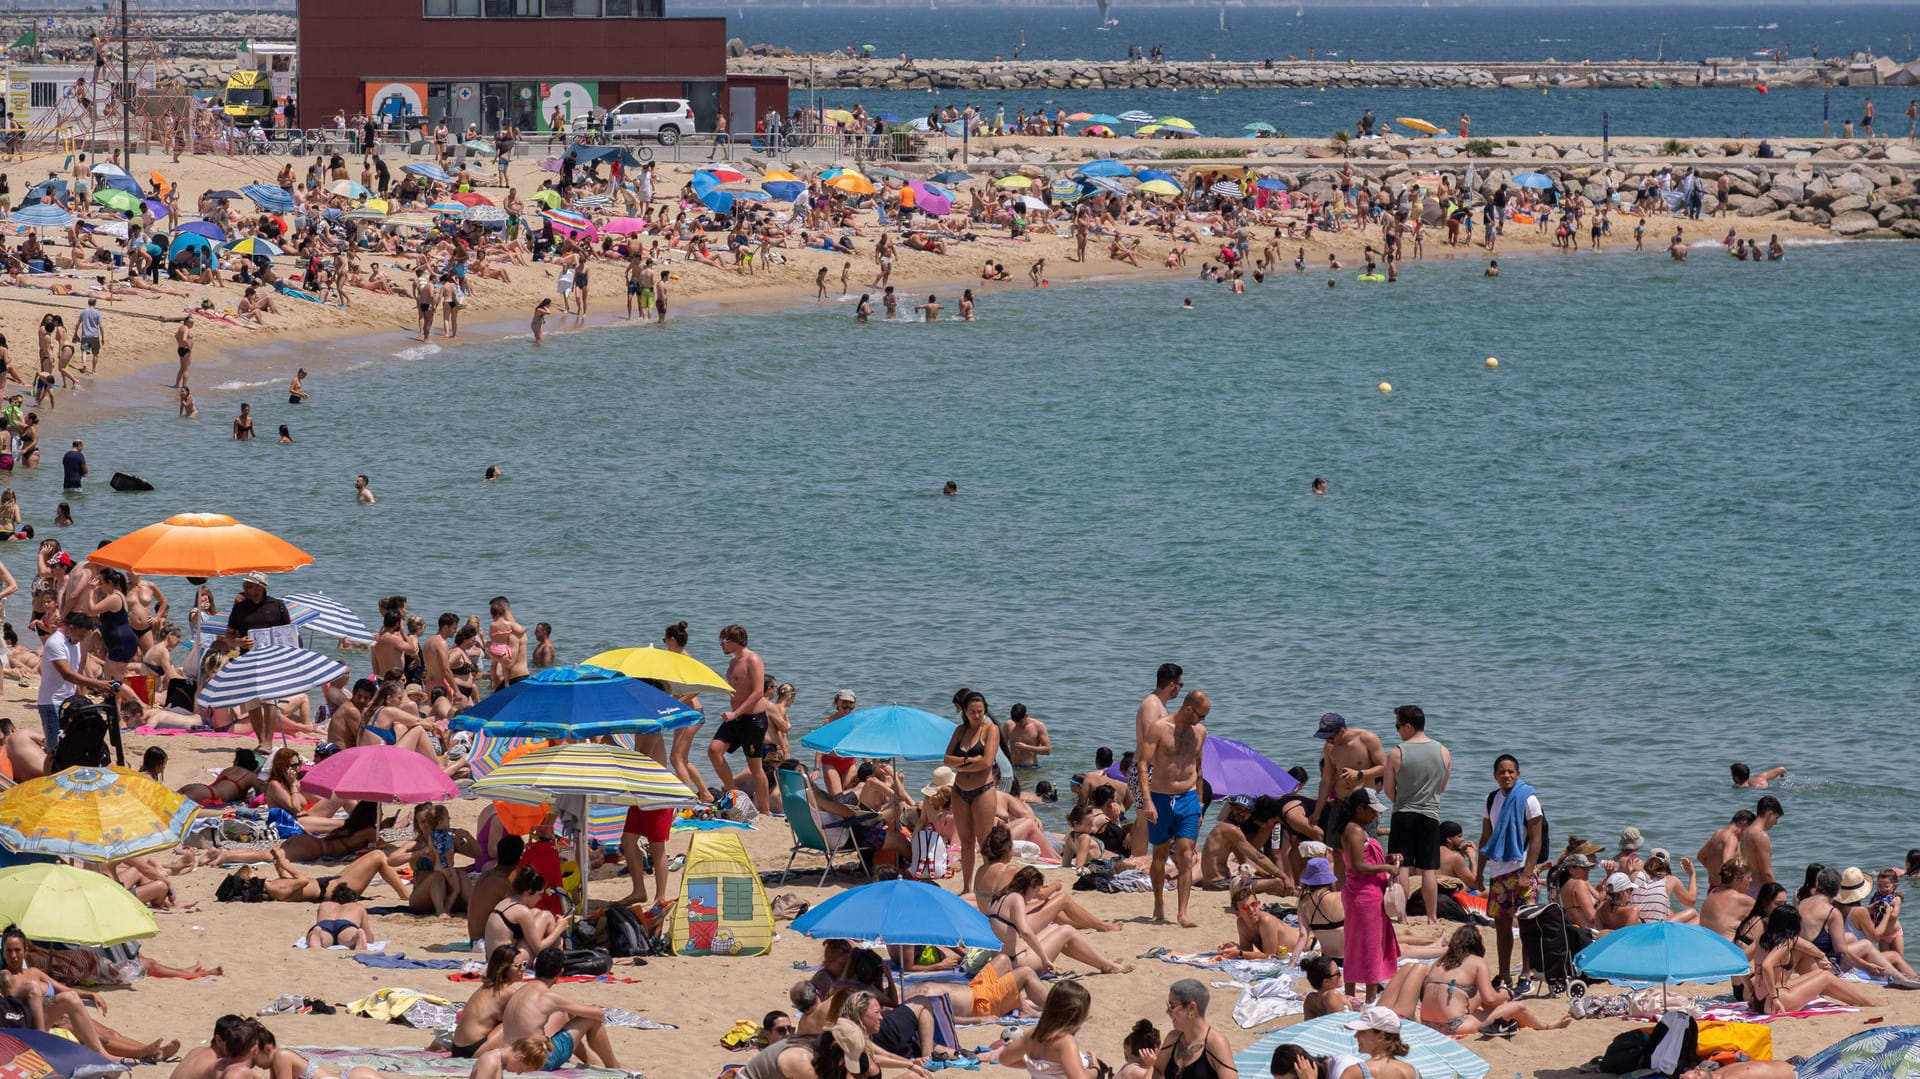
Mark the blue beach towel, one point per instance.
(1508, 843)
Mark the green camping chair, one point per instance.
(809, 835)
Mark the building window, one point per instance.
(467, 9)
(617, 8)
(43, 95)
(439, 9)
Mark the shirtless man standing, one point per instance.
(1353, 758)
(1024, 738)
(1094, 780)
(743, 726)
(434, 656)
(1151, 713)
(1756, 846)
(536, 1011)
(1171, 758)
(1724, 844)
(393, 644)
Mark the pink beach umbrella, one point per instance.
(380, 774)
(930, 200)
(624, 226)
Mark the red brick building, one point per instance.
(512, 62)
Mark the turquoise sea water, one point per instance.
(1674, 528)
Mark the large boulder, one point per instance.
(1907, 227)
(1855, 223)
(1847, 204)
(1888, 213)
(1787, 188)
(1754, 206)
(1854, 182)
(1807, 215)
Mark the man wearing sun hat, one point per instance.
(256, 617)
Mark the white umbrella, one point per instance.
(1031, 203)
(327, 617)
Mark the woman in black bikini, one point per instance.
(1323, 917)
(971, 753)
(480, 1027)
(1459, 998)
(515, 921)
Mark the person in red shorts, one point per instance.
(655, 826)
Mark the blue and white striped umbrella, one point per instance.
(269, 198)
(427, 170)
(325, 616)
(1433, 1054)
(268, 674)
(41, 215)
(593, 200)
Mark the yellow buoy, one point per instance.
(1386, 387)
(1491, 362)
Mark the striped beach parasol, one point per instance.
(254, 245)
(426, 170)
(269, 198)
(1225, 189)
(93, 814)
(569, 221)
(609, 775)
(41, 215)
(324, 616)
(268, 674)
(485, 215)
(1433, 1055)
(447, 207)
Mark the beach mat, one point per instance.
(425, 1062)
(204, 732)
(1740, 1013)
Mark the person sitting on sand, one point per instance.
(493, 885)
(1460, 999)
(1744, 776)
(1260, 934)
(231, 786)
(1002, 987)
(1124, 250)
(437, 885)
(1036, 947)
(1227, 844)
(480, 1026)
(1052, 903)
(52, 1004)
(576, 1029)
(1778, 985)
(518, 921)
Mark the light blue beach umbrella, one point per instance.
(1261, 127)
(883, 732)
(1105, 118)
(184, 240)
(1662, 953)
(269, 198)
(41, 215)
(1431, 1053)
(952, 176)
(1106, 166)
(1269, 183)
(267, 675)
(899, 912)
(1538, 180)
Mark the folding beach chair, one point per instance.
(810, 833)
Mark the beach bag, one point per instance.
(586, 962)
(13, 1015)
(929, 859)
(623, 933)
(1626, 1052)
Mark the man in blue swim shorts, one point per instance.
(1170, 757)
(537, 1011)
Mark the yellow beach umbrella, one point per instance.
(1158, 187)
(380, 205)
(1174, 121)
(547, 195)
(852, 183)
(1014, 182)
(53, 902)
(1417, 124)
(838, 116)
(200, 545)
(780, 176)
(679, 672)
(1147, 129)
(93, 814)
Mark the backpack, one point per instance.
(624, 933)
(87, 727)
(14, 1015)
(1546, 829)
(929, 857)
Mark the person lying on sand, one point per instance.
(354, 835)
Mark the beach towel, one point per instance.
(1508, 843)
(1725, 1010)
(376, 946)
(424, 1062)
(387, 1005)
(399, 961)
(1240, 970)
(1264, 1001)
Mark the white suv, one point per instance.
(662, 118)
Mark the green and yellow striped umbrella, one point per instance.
(600, 774)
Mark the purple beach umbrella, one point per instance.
(1233, 767)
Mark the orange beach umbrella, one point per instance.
(200, 545)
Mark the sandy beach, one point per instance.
(703, 996)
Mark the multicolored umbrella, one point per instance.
(64, 905)
(34, 1054)
(726, 174)
(577, 702)
(380, 774)
(1886, 1053)
(570, 221)
(679, 672)
(93, 814)
(200, 545)
(608, 775)
(1433, 1054)
(447, 207)
(254, 245)
(1098, 131)
(266, 675)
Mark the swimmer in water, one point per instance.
(1187, 304)
(361, 492)
(1493, 268)
(931, 308)
(865, 310)
(1743, 776)
(1319, 485)
(951, 488)
(493, 473)
(540, 318)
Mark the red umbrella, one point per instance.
(472, 198)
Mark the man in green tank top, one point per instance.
(1417, 771)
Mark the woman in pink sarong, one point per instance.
(1373, 952)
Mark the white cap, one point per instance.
(1618, 882)
(1375, 1017)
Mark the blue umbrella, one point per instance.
(42, 215)
(1145, 175)
(40, 190)
(1104, 183)
(899, 912)
(1105, 118)
(576, 702)
(952, 176)
(1269, 183)
(269, 198)
(1870, 1054)
(1661, 953)
(268, 674)
(1106, 166)
(204, 228)
(1432, 1054)
(887, 730)
(1533, 179)
(783, 190)
(67, 1058)
(184, 240)
(120, 181)
(887, 118)
(427, 170)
